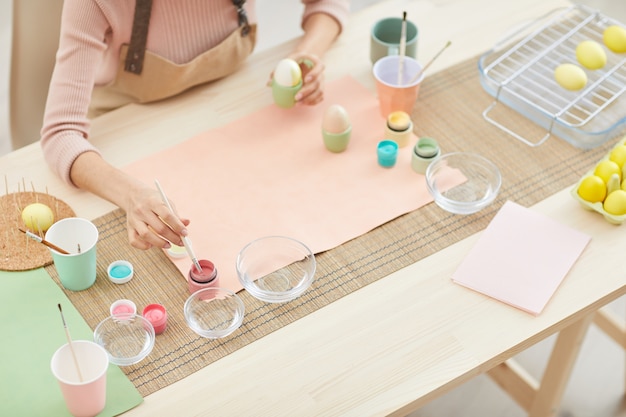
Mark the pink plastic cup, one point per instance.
(86, 398)
(394, 95)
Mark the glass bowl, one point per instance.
(482, 184)
(275, 269)
(214, 312)
(127, 338)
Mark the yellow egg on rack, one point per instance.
(614, 38)
(591, 55)
(570, 76)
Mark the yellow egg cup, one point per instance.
(598, 207)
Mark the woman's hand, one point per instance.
(312, 91)
(148, 219)
(150, 222)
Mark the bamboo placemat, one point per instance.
(449, 109)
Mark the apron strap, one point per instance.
(243, 16)
(139, 34)
(138, 37)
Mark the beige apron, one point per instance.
(161, 78)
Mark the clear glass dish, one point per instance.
(127, 338)
(276, 269)
(481, 186)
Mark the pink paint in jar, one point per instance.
(157, 316)
(207, 277)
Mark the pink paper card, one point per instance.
(270, 174)
(521, 258)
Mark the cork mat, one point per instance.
(17, 251)
(449, 109)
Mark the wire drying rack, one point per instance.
(521, 76)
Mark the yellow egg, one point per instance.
(336, 119)
(570, 77)
(615, 203)
(591, 55)
(592, 189)
(288, 73)
(37, 217)
(618, 155)
(614, 38)
(604, 169)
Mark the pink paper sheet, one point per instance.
(270, 174)
(521, 258)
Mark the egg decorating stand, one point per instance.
(520, 75)
(17, 251)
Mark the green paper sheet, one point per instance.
(31, 330)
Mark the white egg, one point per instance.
(336, 119)
(288, 73)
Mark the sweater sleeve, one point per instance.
(81, 45)
(337, 9)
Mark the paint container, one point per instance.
(120, 272)
(123, 308)
(387, 152)
(399, 128)
(425, 151)
(176, 252)
(198, 280)
(157, 316)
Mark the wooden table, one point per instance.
(406, 339)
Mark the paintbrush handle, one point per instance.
(185, 239)
(419, 74)
(44, 241)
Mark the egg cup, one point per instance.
(284, 96)
(337, 142)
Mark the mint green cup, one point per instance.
(337, 142)
(77, 270)
(285, 96)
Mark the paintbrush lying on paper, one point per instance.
(185, 240)
(44, 241)
(69, 342)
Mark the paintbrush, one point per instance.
(419, 74)
(402, 49)
(44, 241)
(185, 240)
(69, 342)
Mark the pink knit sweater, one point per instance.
(92, 32)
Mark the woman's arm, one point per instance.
(147, 215)
(322, 23)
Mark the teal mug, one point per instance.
(385, 38)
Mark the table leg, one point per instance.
(612, 325)
(559, 368)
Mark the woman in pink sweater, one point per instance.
(115, 52)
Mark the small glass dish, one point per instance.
(276, 269)
(214, 312)
(478, 190)
(126, 338)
